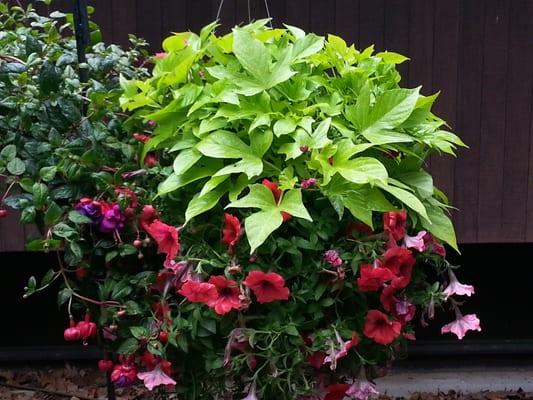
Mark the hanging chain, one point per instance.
(219, 9)
(221, 4)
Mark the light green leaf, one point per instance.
(198, 205)
(292, 203)
(392, 57)
(420, 180)
(441, 226)
(260, 225)
(284, 127)
(185, 160)
(252, 54)
(258, 197)
(409, 199)
(362, 170)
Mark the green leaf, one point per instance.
(49, 78)
(292, 203)
(185, 160)
(198, 205)
(78, 218)
(284, 127)
(258, 197)
(40, 194)
(420, 180)
(53, 213)
(407, 198)
(65, 231)
(391, 109)
(362, 170)
(260, 225)
(128, 346)
(8, 153)
(48, 173)
(224, 144)
(252, 54)
(16, 166)
(441, 226)
(391, 57)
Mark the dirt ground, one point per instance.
(79, 383)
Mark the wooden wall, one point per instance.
(478, 53)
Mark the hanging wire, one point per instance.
(219, 9)
(268, 14)
(249, 13)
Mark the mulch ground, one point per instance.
(75, 383)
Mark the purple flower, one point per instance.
(113, 220)
(89, 208)
(361, 390)
(332, 258)
(307, 183)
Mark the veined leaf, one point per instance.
(441, 226)
(407, 198)
(198, 205)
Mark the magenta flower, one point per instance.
(154, 378)
(415, 242)
(456, 287)
(307, 183)
(339, 350)
(361, 390)
(333, 258)
(462, 325)
(113, 220)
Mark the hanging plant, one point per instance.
(312, 156)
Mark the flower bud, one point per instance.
(105, 365)
(137, 243)
(72, 333)
(3, 213)
(163, 337)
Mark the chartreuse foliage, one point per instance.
(286, 105)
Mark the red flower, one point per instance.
(316, 359)
(388, 301)
(199, 292)
(394, 223)
(267, 287)
(359, 227)
(402, 310)
(141, 137)
(401, 262)
(373, 277)
(380, 328)
(336, 391)
(276, 191)
(150, 160)
(231, 232)
(228, 295)
(167, 238)
(273, 187)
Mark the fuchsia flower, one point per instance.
(155, 377)
(113, 219)
(231, 232)
(267, 287)
(361, 390)
(394, 224)
(228, 295)
(307, 183)
(415, 242)
(124, 375)
(456, 287)
(462, 324)
(379, 328)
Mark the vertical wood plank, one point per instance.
(297, 13)
(421, 23)
(199, 14)
(173, 17)
(103, 17)
(445, 69)
(396, 36)
(490, 179)
(371, 23)
(322, 16)
(124, 21)
(149, 22)
(347, 21)
(469, 120)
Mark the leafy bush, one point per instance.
(311, 143)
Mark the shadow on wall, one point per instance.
(500, 273)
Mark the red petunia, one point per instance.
(401, 262)
(231, 232)
(227, 295)
(276, 192)
(394, 223)
(336, 391)
(267, 287)
(379, 328)
(199, 292)
(166, 237)
(373, 277)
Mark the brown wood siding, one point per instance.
(479, 53)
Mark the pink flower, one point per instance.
(456, 287)
(361, 390)
(228, 295)
(307, 183)
(340, 350)
(333, 258)
(154, 378)
(462, 324)
(160, 55)
(434, 245)
(415, 242)
(252, 395)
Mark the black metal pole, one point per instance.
(81, 30)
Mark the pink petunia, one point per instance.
(154, 378)
(462, 324)
(415, 242)
(456, 287)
